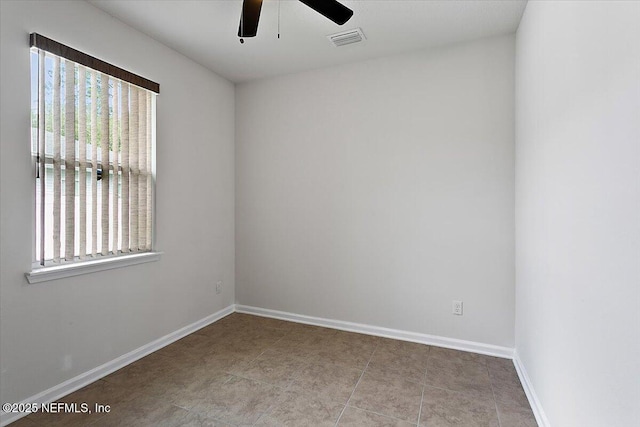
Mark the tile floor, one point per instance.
(251, 371)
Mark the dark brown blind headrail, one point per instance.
(52, 46)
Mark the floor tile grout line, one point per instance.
(379, 413)
(466, 393)
(257, 381)
(344, 406)
(262, 415)
(402, 377)
(470, 395)
(421, 401)
(271, 408)
(304, 360)
(356, 386)
(382, 415)
(495, 401)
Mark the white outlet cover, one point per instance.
(457, 308)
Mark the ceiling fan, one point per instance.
(331, 9)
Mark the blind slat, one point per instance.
(94, 164)
(142, 166)
(69, 161)
(82, 159)
(114, 186)
(57, 175)
(133, 177)
(104, 145)
(42, 152)
(149, 174)
(125, 167)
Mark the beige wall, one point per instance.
(578, 209)
(53, 331)
(378, 192)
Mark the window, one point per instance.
(92, 127)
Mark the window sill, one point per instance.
(45, 274)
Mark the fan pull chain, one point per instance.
(242, 24)
(278, 18)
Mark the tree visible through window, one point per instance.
(91, 137)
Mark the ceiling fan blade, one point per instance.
(331, 9)
(249, 18)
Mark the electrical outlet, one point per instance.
(457, 308)
(219, 287)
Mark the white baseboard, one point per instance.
(86, 378)
(474, 347)
(534, 402)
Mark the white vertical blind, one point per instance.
(133, 164)
(94, 164)
(125, 167)
(57, 173)
(41, 157)
(142, 165)
(115, 141)
(94, 143)
(69, 161)
(82, 160)
(104, 161)
(148, 174)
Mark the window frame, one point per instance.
(78, 266)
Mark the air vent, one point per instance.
(347, 37)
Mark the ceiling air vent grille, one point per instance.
(347, 37)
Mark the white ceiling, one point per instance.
(206, 30)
